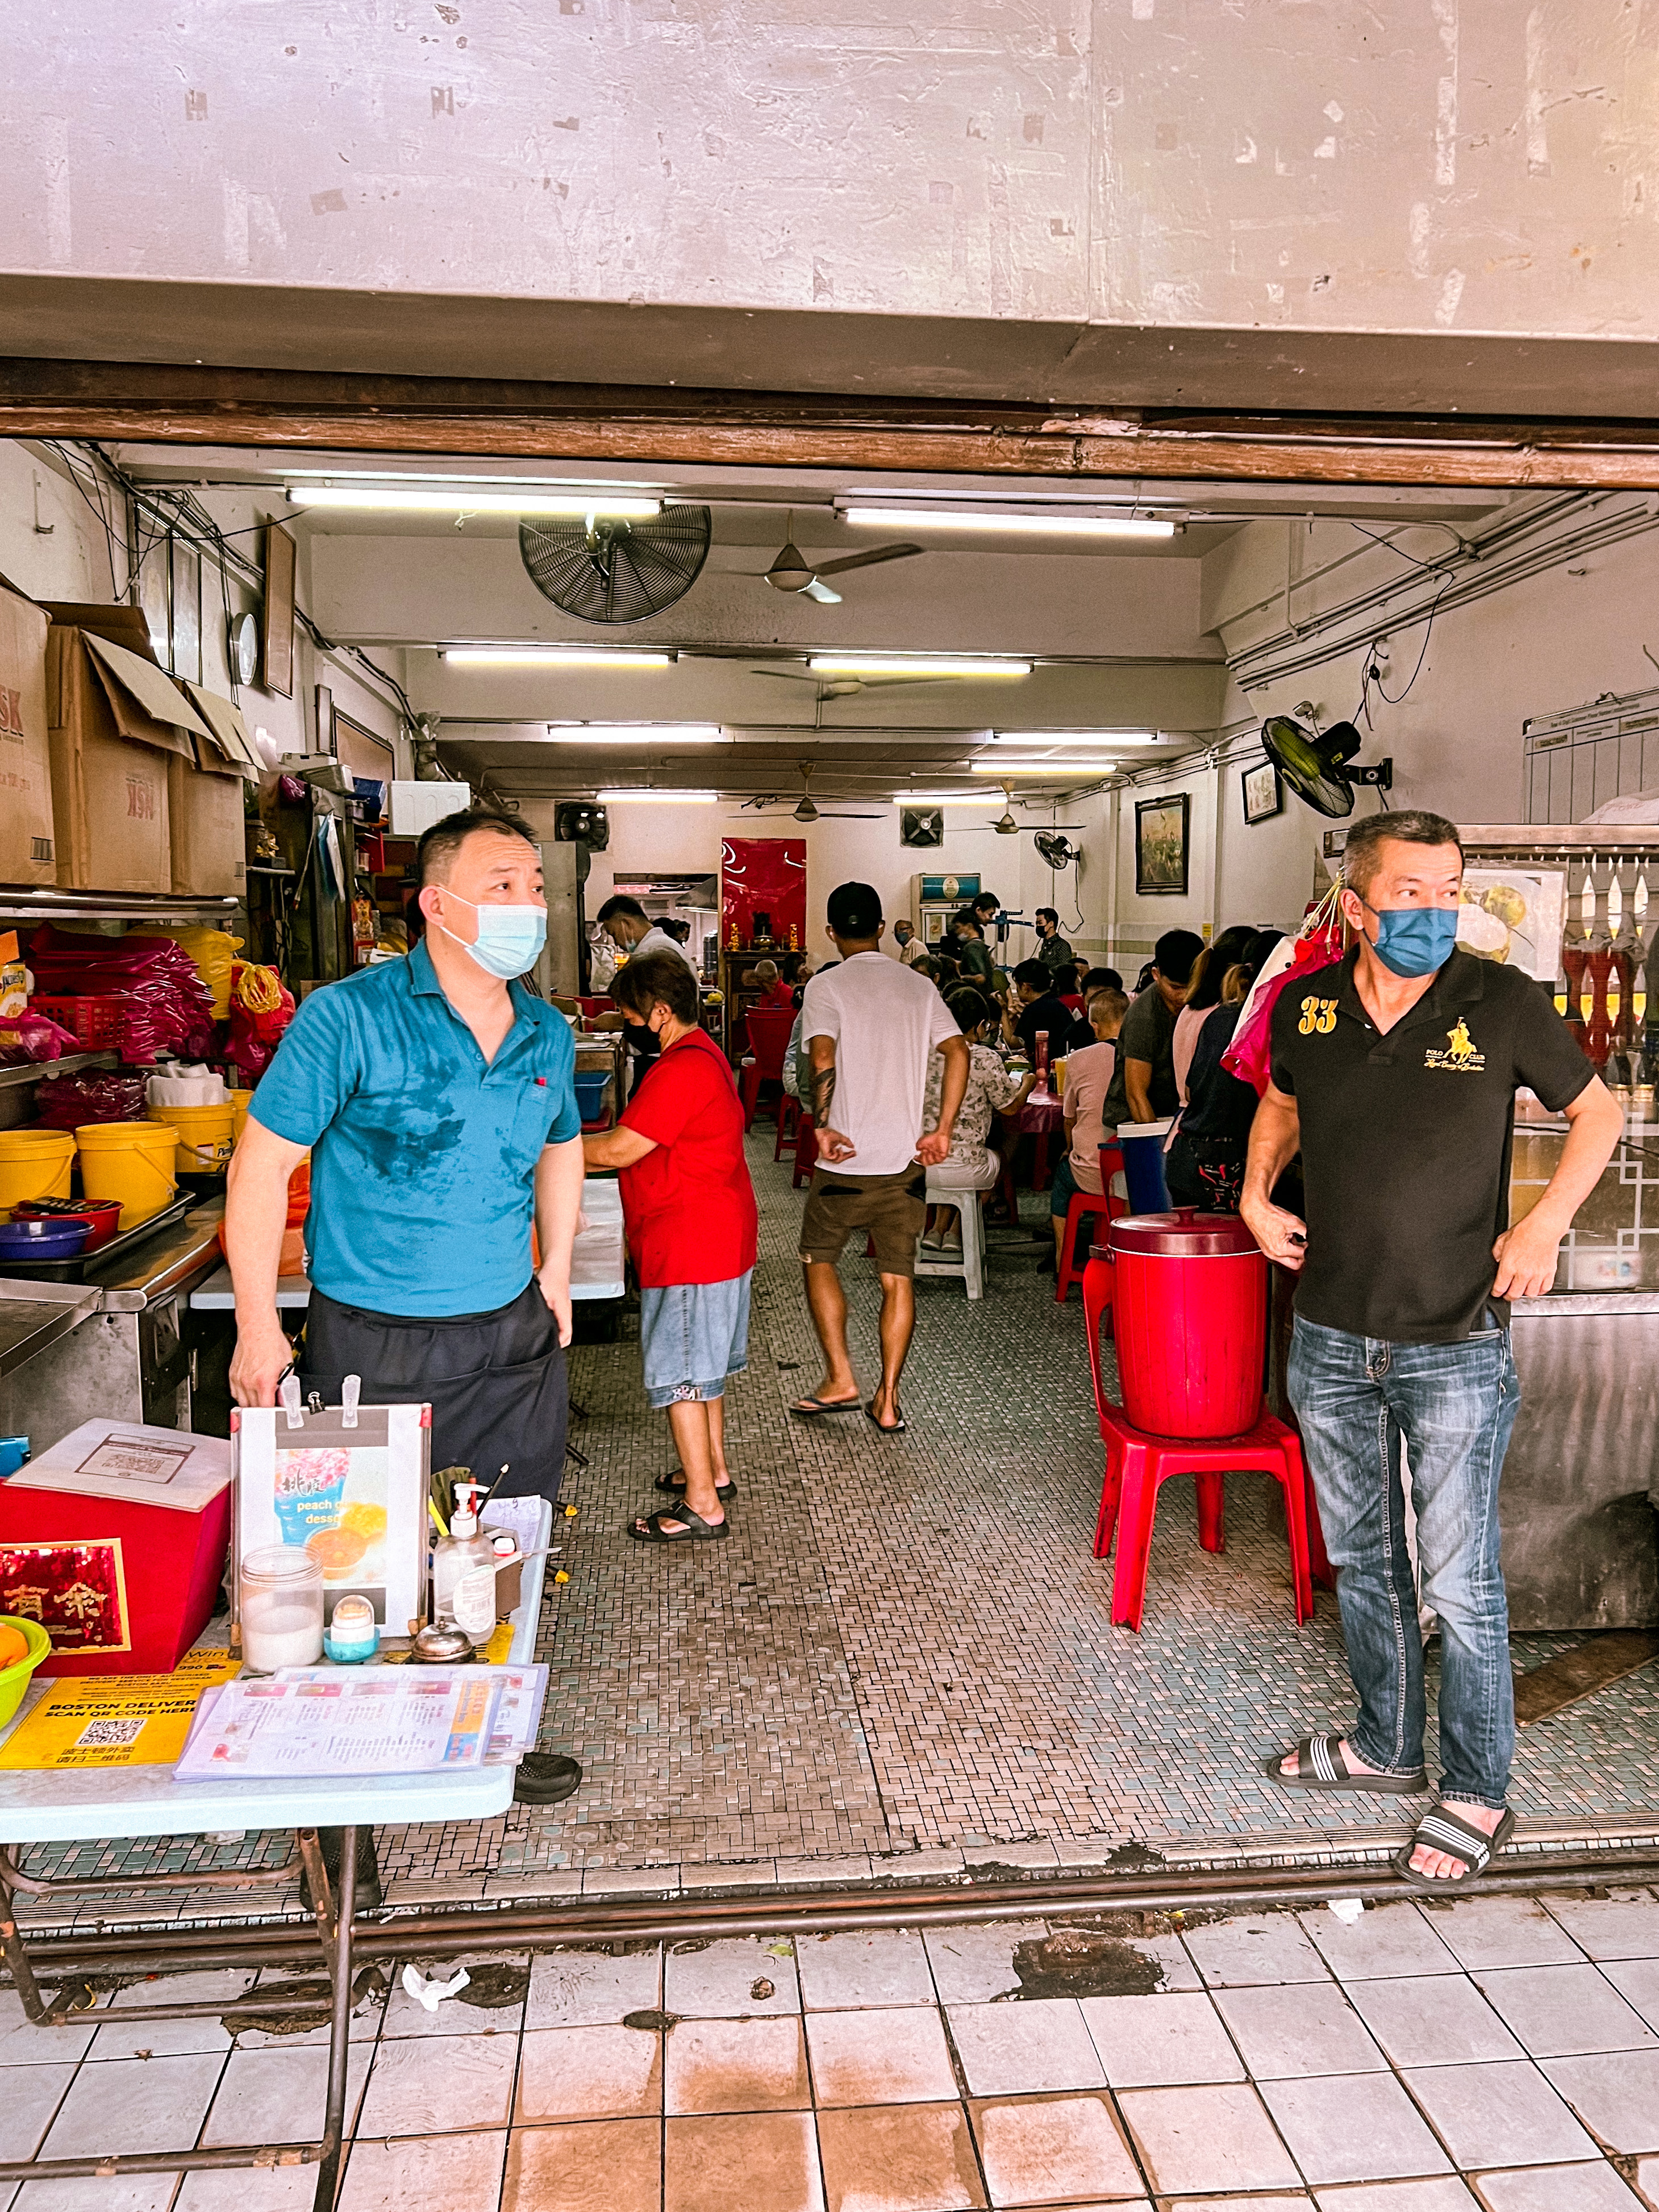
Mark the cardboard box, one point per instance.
(116, 721)
(26, 851)
(205, 810)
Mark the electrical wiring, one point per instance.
(1428, 568)
(1393, 699)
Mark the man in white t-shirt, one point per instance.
(869, 1028)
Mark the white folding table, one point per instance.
(56, 1807)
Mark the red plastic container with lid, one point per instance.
(1189, 1313)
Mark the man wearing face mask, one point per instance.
(435, 1096)
(1394, 1074)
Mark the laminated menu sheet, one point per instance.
(344, 1720)
(521, 1693)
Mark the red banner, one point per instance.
(763, 890)
(77, 1592)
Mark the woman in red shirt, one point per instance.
(688, 1209)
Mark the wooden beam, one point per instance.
(150, 402)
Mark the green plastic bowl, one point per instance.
(14, 1679)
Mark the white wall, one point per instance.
(1544, 641)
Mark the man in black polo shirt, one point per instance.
(1394, 1074)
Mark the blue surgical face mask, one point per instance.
(1414, 940)
(510, 938)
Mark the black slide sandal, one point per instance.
(1319, 1765)
(649, 1528)
(1443, 1831)
(675, 1485)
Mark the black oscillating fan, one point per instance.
(1318, 765)
(609, 571)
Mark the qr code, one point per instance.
(108, 1735)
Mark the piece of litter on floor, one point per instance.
(561, 1577)
(432, 1993)
(1346, 1909)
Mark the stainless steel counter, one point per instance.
(111, 1347)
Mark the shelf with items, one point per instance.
(20, 904)
(37, 1071)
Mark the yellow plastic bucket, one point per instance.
(238, 1105)
(206, 1134)
(33, 1163)
(132, 1161)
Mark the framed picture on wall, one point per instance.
(277, 626)
(153, 592)
(1161, 826)
(185, 565)
(1264, 794)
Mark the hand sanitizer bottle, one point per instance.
(454, 1555)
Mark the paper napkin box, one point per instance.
(115, 1541)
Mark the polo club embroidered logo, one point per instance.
(1462, 1058)
(1318, 1017)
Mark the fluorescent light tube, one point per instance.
(551, 656)
(390, 499)
(938, 799)
(870, 664)
(1055, 770)
(658, 798)
(1092, 738)
(1062, 523)
(637, 733)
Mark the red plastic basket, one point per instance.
(97, 1021)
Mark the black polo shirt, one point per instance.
(1406, 1140)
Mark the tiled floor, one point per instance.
(1492, 2052)
(902, 1663)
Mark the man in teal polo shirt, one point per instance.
(435, 1096)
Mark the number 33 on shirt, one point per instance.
(1318, 1017)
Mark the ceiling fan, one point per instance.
(1006, 826)
(806, 808)
(792, 571)
(846, 687)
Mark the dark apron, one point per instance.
(496, 1382)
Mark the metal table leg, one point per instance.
(335, 1909)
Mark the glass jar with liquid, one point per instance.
(281, 1588)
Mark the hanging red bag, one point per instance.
(1249, 1056)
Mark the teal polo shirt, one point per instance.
(422, 1158)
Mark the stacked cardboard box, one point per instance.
(26, 854)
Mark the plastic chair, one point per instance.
(1099, 1277)
(806, 1151)
(769, 1039)
(969, 1262)
(1137, 1463)
(1086, 1206)
(788, 1123)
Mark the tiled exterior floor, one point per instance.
(1495, 2052)
(903, 1657)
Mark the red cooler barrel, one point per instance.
(1189, 1312)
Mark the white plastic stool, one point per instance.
(969, 1263)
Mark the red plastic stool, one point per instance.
(1097, 1282)
(1137, 1463)
(1083, 1207)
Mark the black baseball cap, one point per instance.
(855, 910)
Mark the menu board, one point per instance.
(349, 1720)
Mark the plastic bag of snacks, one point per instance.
(68, 1102)
(260, 1010)
(212, 952)
(167, 1006)
(34, 1036)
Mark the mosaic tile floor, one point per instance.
(903, 1659)
(1489, 2054)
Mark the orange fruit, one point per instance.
(337, 1551)
(365, 1520)
(13, 1646)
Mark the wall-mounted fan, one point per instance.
(1318, 765)
(1058, 852)
(608, 571)
(792, 571)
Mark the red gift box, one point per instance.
(115, 1541)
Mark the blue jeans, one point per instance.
(1455, 1404)
(692, 1337)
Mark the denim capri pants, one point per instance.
(692, 1336)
